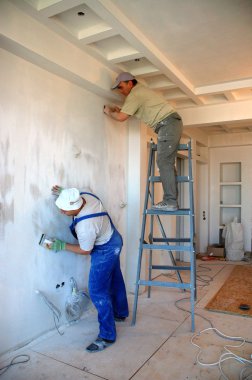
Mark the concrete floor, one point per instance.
(158, 347)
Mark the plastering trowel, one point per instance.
(45, 241)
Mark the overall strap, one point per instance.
(77, 220)
(85, 192)
(92, 215)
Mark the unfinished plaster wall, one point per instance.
(52, 132)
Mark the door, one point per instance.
(201, 207)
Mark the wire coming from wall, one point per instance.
(56, 312)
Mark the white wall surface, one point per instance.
(52, 132)
(134, 201)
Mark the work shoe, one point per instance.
(99, 344)
(119, 319)
(165, 206)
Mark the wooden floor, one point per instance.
(235, 294)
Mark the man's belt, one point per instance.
(165, 121)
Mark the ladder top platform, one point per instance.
(180, 147)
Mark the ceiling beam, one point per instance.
(223, 87)
(216, 114)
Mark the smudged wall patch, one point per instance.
(35, 192)
(6, 215)
(61, 172)
(76, 151)
(89, 158)
(7, 202)
(7, 181)
(5, 150)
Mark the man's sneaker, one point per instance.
(99, 345)
(165, 206)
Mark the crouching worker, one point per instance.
(97, 236)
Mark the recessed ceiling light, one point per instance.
(81, 14)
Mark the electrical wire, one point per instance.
(56, 312)
(201, 316)
(227, 355)
(55, 324)
(13, 362)
(206, 279)
(249, 376)
(56, 316)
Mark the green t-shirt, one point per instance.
(146, 105)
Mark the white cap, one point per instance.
(123, 77)
(69, 199)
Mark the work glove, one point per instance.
(56, 190)
(57, 245)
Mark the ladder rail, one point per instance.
(187, 243)
(142, 239)
(152, 172)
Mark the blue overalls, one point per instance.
(106, 285)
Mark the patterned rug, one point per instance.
(235, 296)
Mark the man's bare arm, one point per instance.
(115, 113)
(75, 248)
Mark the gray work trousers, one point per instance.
(169, 133)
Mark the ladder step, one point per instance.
(171, 240)
(165, 247)
(170, 267)
(165, 284)
(179, 179)
(183, 147)
(180, 147)
(180, 211)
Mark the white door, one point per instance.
(201, 207)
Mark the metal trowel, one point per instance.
(45, 241)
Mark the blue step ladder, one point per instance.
(169, 244)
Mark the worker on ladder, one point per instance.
(154, 110)
(97, 236)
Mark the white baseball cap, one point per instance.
(69, 199)
(123, 77)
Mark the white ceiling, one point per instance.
(196, 52)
